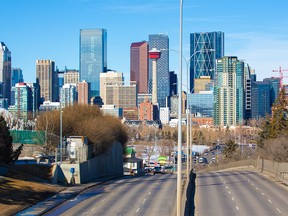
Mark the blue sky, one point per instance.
(255, 30)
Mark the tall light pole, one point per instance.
(188, 90)
(61, 141)
(179, 157)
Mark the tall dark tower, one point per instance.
(5, 72)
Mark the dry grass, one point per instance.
(19, 189)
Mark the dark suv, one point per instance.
(159, 170)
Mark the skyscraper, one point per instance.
(47, 79)
(17, 76)
(23, 100)
(229, 92)
(68, 95)
(203, 59)
(83, 92)
(5, 72)
(161, 43)
(139, 65)
(260, 104)
(93, 57)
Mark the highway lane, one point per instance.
(144, 195)
(240, 193)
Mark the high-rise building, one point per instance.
(139, 65)
(205, 48)
(17, 76)
(93, 57)
(5, 72)
(201, 104)
(274, 84)
(108, 79)
(229, 92)
(260, 103)
(173, 83)
(202, 84)
(71, 76)
(146, 109)
(46, 78)
(83, 92)
(23, 101)
(161, 43)
(69, 94)
(114, 92)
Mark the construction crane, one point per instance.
(281, 75)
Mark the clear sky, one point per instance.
(255, 30)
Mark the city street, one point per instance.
(240, 193)
(144, 195)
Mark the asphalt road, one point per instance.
(240, 193)
(144, 195)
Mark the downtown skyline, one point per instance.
(50, 30)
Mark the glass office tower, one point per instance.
(93, 57)
(161, 43)
(5, 72)
(260, 105)
(202, 62)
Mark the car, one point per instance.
(159, 170)
(169, 169)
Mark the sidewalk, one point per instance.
(68, 193)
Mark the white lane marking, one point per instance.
(232, 198)
(263, 194)
(149, 193)
(248, 180)
(269, 200)
(103, 200)
(137, 210)
(252, 184)
(256, 188)
(226, 187)
(229, 192)
(143, 201)
(93, 209)
(237, 207)
(278, 210)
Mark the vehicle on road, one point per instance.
(169, 169)
(159, 170)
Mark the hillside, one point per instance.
(23, 186)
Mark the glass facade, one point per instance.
(229, 92)
(201, 104)
(202, 63)
(93, 57)
(160, 42)
(17, 76)
(274, 85)
(5, 72)
(23, 100)
(260, 105)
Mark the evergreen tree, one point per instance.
(279, 122)
(6, 147)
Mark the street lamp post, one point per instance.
(179, 158)
(61, 141)
(188, 90)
